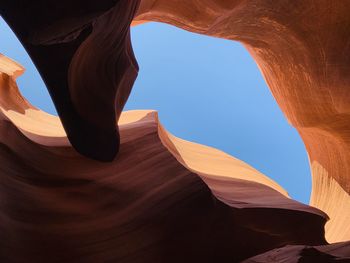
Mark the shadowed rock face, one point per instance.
(163, 199)
(88, 212)
(153, 203)
(337, 253)
(84, 55)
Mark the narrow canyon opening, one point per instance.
(210, 91)
(206, 90)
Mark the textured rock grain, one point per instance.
(164, 199)
(161, 200)
(302, 49)
(83, 53)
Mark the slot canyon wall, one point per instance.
(101, 185)
(302, 49)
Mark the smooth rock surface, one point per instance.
(162, 199)
(302, 49)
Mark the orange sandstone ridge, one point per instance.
(161, 195)
(302, 50)
(162, 199)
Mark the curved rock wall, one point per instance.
(162, 199)
(162, 195)
(83, 53)
(302, 49)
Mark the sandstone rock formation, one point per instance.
(337, 253)
(163, 199)
(161, 195)
(303, 51)
(82, 50)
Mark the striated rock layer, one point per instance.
(302, 48)
(336, 253)
(161, 200)
(82, 50)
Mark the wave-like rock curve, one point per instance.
(302, 49)
(335, 253)
(162, 199)
(83, 51)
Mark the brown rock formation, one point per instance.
(336, 253)
(303, 51)
(148, 205)
(82, 50)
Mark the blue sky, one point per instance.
(206, 90)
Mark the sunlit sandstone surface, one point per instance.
(155, 197)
